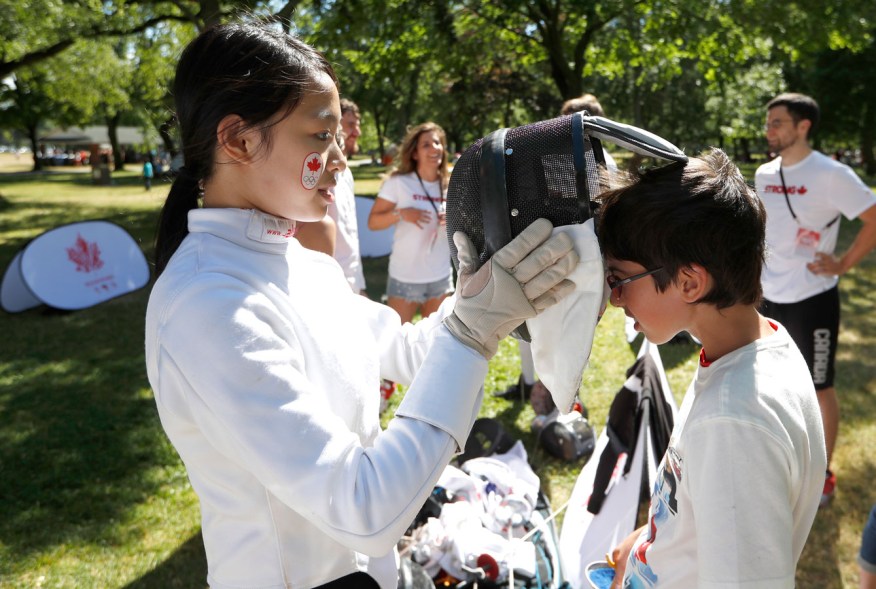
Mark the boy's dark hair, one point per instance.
(701, 212)
(246, 69)
(800, 107)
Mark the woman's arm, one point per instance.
(385, 214)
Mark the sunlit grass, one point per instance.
(93, 495)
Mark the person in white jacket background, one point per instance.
(263, 361)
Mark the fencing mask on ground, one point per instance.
(549, 169)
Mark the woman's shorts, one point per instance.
(867, 556)
(418, 293)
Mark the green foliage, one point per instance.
(695, 72)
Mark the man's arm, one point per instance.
(863, 244)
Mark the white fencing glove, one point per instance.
(517, 283)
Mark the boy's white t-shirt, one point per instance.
(738, 488)
(819, 189)
(419, 254)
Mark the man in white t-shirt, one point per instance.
(343, 210)
(805, 193)
(338, 233)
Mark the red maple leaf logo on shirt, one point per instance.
(802, 190)
(314, 164)
(85, 255)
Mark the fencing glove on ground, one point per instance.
(522, 279)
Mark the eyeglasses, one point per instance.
(615, 283)
(776, 124)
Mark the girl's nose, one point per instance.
(337, 162)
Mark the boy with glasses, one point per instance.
(805, 193)
(738, 488)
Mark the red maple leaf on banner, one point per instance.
(85, 255)
(314, 164)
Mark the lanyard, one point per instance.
(428, 196)
(788, 202)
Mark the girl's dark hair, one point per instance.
(245, 69)
(702, 212)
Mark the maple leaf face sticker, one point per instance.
(311, 170)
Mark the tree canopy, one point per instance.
(697, 72)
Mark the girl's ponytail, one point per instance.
(173, 224)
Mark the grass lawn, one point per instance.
(93, 495)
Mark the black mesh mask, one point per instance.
(549, 169)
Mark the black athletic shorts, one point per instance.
(358, 580)
(813, 324)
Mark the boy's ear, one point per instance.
(234, 141)
(694, 282)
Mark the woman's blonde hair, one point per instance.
(407, 164)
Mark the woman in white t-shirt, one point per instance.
(412, 198)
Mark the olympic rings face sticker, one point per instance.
(311, 170)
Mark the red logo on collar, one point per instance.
(290, 232)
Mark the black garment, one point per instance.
(625, 421)
(358, 580)
(813, 324)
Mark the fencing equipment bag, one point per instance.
(549, 169)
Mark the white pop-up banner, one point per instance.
(372, 244)
(74, 267)
(15, 296)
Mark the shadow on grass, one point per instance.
(186, 568)
(80, 434)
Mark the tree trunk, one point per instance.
(405, 113)
(381, 129)
(112, 129)
(34, 148)
(867, 140)
(210, 13)
(746, 149)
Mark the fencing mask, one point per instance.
(549, 169)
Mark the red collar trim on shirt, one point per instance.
(705, 362)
